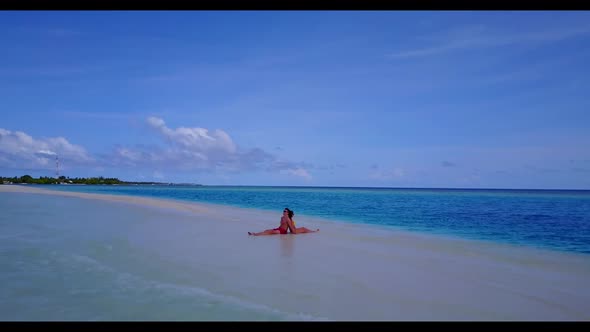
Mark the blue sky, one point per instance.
(306, 98)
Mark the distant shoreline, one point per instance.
(27, 179)
(105, 184)
(311, 187)
(45, 180)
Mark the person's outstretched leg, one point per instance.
(266, 232)
(306, 230)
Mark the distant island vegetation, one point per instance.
(27, 179)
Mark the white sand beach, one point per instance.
(349, 272)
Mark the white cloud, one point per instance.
(46, 153)
(300, 172)
(470, 37)
(195, 139)
(156, 122)
(183, 149)
(19, 149)
(200, 149)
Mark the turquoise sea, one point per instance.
(550, 219)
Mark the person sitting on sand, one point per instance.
(298, 230)
(287, 223)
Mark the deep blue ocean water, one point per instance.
(550, 219)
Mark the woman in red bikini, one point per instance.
(287, 223)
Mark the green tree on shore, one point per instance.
(63, 179)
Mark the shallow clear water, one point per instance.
(68, 258)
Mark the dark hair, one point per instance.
(291, 213)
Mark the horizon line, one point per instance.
(148, 183)
(320, 186)
(413, 188)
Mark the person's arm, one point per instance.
(291, 226)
